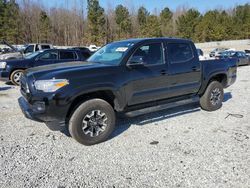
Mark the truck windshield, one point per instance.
(111, 53)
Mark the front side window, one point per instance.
(111, 53)
(151, 54)
(179, 52)
(67, 55)
(29, 49)
(49, 56)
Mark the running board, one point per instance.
(162, 107)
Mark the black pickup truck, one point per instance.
(130, 77)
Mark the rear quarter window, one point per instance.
(45, 47)
(68, 55)
(180, 52)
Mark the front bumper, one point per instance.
(4, 75)
(32, 112)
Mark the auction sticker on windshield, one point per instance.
(121, 49)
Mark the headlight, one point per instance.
(3, 65)
(50, 86)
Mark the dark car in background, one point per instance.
(216, 51)
(224, 54)
(13, 69)
(242, 57)
(84, 50)
(247, 52)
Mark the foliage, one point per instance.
(44, 27)
(187, 23)
(96, 22)
(123, 21)
(166, 22)
(9, 20)
(142, 16)
(29, 21)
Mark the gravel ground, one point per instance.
(183, 147)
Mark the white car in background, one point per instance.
(27, 50)
(93, 48)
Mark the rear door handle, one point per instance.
(194, 68)
(163, 72)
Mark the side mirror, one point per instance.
(135, 61)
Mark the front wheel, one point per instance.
(92, 122)
(16, 76)
(212, 99)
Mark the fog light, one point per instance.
(39, 107)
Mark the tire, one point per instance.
(15, 77)
(212, 99)
(81, 124)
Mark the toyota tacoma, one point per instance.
(130, 77)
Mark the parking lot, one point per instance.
(182, 147)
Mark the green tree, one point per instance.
(166, 22)
(44, 27)
(241, 22)
(187, 23)
(122, 19)
(152, 27)
(2, 10)
(142, 16)
(96, 22)
(214, 26)
(9, 21)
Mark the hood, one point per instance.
(62, 68)
(8, 44)
(16, 61)
(14, 55)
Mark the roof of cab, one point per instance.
(136, 40)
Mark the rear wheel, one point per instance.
(212, 99)
(92, 122)
(16, 76)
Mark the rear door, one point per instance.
(184, 69)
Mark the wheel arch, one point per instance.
(107, 95)
(220, 77)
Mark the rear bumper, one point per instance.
(31, 112)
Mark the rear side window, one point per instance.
(86, 55)
(67, 55)
(179, 52)
(45, 47)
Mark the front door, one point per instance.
(148, 81)
(47, 58)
